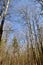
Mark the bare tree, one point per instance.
(3, 19)
(37, 35)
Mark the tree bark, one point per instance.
(1, 27)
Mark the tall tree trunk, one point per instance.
(3, 18)
(1, 28)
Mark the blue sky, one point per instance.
(14, 17)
